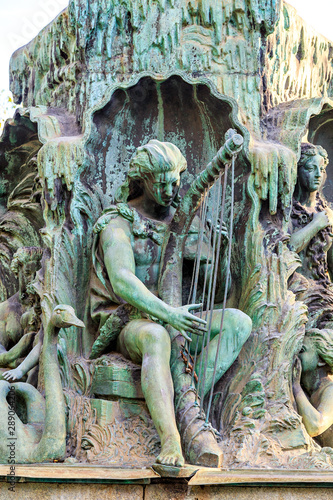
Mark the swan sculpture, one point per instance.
(39, 423)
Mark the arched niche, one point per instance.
(19, 143)
(189, 115)
(321, 132)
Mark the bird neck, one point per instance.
(51, 334)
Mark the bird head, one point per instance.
(63, 316)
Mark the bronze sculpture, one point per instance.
(19, 314)
(124, 287)
(94, 88)
(312, 238)
(41, 429)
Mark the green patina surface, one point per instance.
(101, 80)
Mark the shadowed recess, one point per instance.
(189, 116)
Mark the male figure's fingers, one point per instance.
(192, 307)
(200, 328)
(185, 335)
(192, 322)
(196, 330)
(197, 320)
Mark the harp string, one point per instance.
(225, 290)
(210, 304)
(210, 293)
(195, 275)
(210, 232)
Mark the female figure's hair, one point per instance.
(315, 253)
(308, 150)
(154, 157)
(323, 342)
(24, 255)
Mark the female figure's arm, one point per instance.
(330, 248)
(330, 262)
(301, 238)
(316, 420)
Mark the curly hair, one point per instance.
(308, 150)
(24, 255)
(323, 342)
(154, 157)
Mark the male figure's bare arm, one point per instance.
(120, 264)
(18, 350)
(27, 364)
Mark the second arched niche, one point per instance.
(321, 132)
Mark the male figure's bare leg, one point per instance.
(236, 330)
(146, 342)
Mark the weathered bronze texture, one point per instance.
(154, 184)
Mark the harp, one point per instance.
(199, 439)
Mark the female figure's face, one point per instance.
(162, 187)
(310, 175)
(309, 356)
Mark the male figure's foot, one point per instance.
(171, 454)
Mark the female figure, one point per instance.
(311, 237)
(124, 285)
(313, 385)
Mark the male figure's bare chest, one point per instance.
(147, 256)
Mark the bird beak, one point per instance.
(77, 322)
(72, 320)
